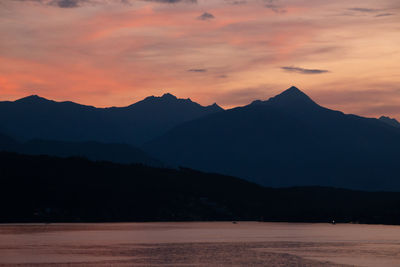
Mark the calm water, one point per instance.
(199, 244)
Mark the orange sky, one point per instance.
(344, 54)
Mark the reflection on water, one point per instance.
(199, 244)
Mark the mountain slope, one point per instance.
(390, 121)
(288, 140)
(34, 117)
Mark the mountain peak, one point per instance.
(292, 97)
(169, 96)
(294, 89)
(292, 92)
(390, 121)
(168, 99)
(32, 99)
(165, 98)
(215, 107)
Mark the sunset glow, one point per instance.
(344, 54)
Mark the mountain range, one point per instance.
(34, 117)
(287, 140)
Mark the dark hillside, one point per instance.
(50, 189)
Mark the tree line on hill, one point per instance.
(52, 189)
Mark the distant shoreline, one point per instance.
(180, 222)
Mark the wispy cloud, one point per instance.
(384, 15)
(238, 2)
(59, 3)
(197, 70)
(364, 10)
(67, 3)
(356, 11)
(206, 16)
(39, 1)
(173, 1)
(271, 4)
(275, 8)
(303, 70)
(79, 3)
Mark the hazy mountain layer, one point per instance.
(120, 153)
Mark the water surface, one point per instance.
(199, 244)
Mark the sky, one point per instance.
(344, 54)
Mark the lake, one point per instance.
(199, 244)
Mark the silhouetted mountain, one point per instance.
(288, 140)
(292, 98)
(49, 189)
(390, 121)
(33, 100)
(35, 117)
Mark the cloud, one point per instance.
(238, 2)
(303, 70)
(60, 3)
(36, 1)
(274, 7)
(206, 16)
(67, 3)
(173, 1)
(197, 70)
(39, 1)
(355, 11)
(384, 15)
(79, 3)
(364, 10)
